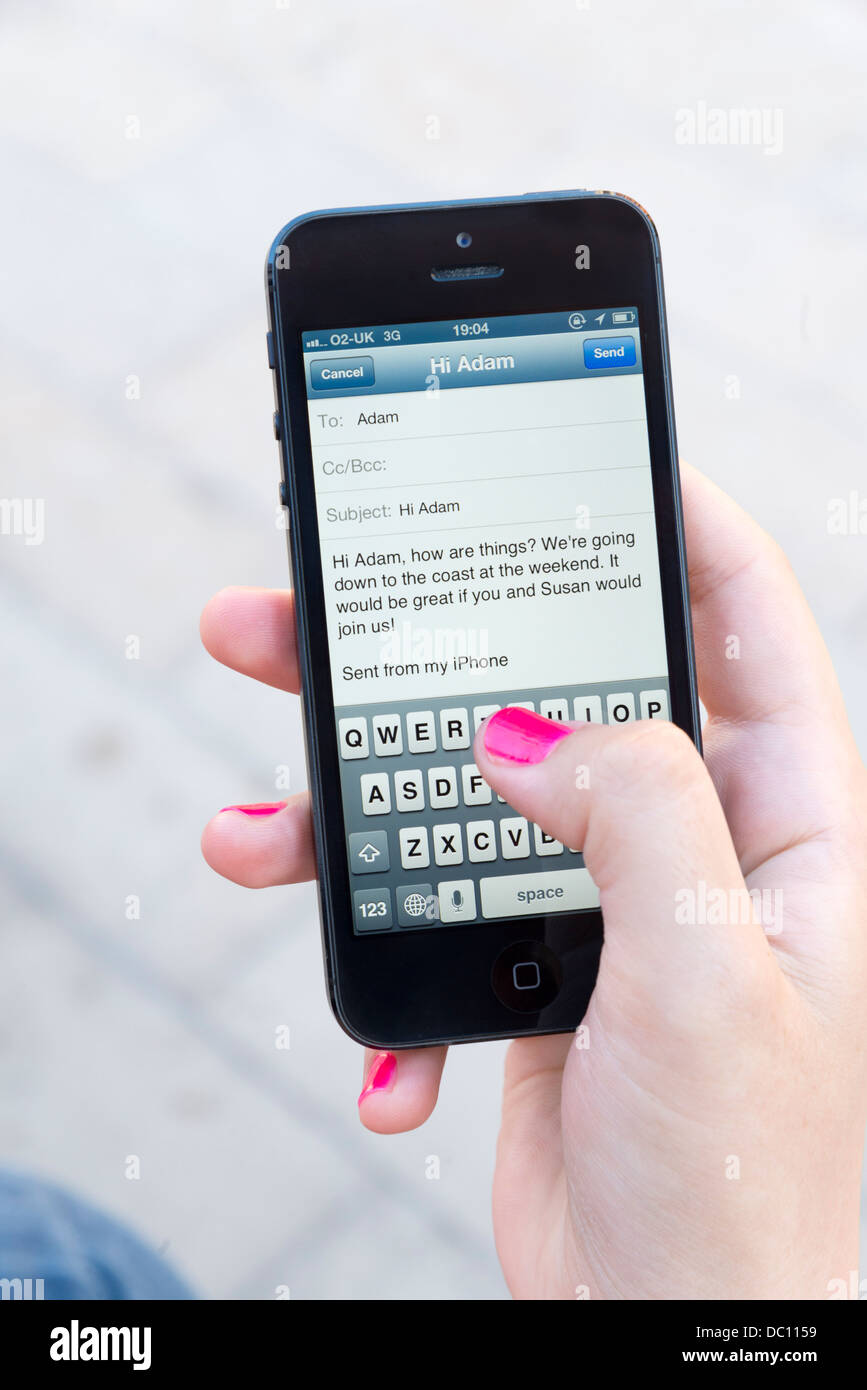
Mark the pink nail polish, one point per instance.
(518, 735)
(257, 808)
(380, 1077)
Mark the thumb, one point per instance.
(640, 804)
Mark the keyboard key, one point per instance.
(545, 844)
(387, 735)
(409, 790)
(368, 852)
(531, 895)
(523, 704)
(476, 791)
(417, 905)
(421, 732)
(414, 848)
(352, 736)
(653, 704)
(588, 708)
(442, 784)
(457, 900)
(481, 712)
(375, 794)
(448, 848)
(481, 841)
(621, 708)
(454, 729)
(372, 909)
(554, 709)
(514, 838)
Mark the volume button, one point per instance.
(284, 495)
(278, 428)
(269, 340)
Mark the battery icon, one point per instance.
(623, 316)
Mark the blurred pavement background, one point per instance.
(150, 153)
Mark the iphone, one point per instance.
(479, 471)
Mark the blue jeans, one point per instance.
(76, 1251)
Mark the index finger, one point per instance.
(253, 631)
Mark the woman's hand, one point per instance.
(701, 1135)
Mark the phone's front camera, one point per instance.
(464, 240)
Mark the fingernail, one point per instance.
(519, 735)
(380, 1077)
(257, 808)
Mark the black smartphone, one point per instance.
(479, 470)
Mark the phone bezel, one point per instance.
(363, 266)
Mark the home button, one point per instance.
(526, 976)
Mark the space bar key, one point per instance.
(529, 895)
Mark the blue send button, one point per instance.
(609, 352)
(338, 373)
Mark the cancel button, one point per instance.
(532, 895)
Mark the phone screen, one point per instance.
(487, 533)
